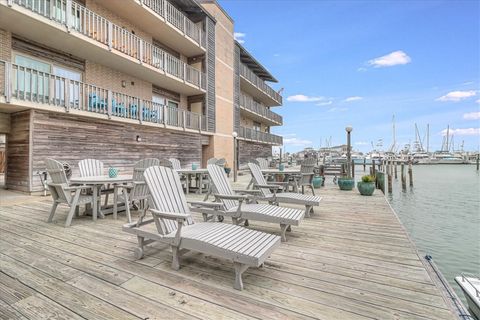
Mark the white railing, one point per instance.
(248, 103)
(259, 136)
(27, 84)
(96, 27)
(259, 83)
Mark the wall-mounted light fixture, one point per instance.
(139, 139)
(124, 83)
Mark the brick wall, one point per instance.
(5, 54)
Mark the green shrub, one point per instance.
(368, 179)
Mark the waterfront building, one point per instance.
(147, 78)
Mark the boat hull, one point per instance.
(468, 288)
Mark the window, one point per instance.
(257, 126)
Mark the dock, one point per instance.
(351, 260)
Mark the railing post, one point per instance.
(140, 110)
(184, 118)
(165, 116)
(199, 123)
(110, 35)
(8, 82)
(109, 103)
(52, 9)
(68, 14)
(163, 9)
(66, 94)
(140, 57)
(9, 3)
(184, 25)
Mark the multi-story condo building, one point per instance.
(125, 80)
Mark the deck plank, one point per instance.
(351, 260)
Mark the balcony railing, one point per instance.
(259, 83)
(26, 84)
(79, 18)
(265, 137)
(248, 103)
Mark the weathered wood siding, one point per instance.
(210, 74)
(70, 138)
(18, 152)
(249, 150)
(4, 122)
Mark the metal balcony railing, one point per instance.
(31, 85)
(248, 103)
(259, 83)
(259, 136)
(78, 18)
(178, 19)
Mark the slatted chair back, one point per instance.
(166, 163)
(259, 178)
(57, 174)
(90, 168)
(212, 161)
(175, 164)
(221, 184)
(263, 163)
(140, 191)
(166, 195)
(307, 167)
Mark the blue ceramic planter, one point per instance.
(346, 183)
(366, 188)
(317, 181)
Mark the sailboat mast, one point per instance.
(428, 136)
(448, 136)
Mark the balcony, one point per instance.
(164, 22)
(24, 88)
(257, 88)
(71, 27)
(259, 112)
(249, 134)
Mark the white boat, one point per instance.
(443, 157)
(471, 289)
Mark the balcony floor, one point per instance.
(351, 260)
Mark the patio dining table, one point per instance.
(97, 182)
(189, 173)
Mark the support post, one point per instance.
(404, 178)
(389, 178)
(235, 159)
(396, 174)
(140, 53)
(68, 15)
(410, 174)
(66, 94)
(110, 35)
(109, 103)
(140, 110)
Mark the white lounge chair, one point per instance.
(137, 191)
(94, 168)
(63, 192)
(172, 224)
(285, 197)
(232, 205)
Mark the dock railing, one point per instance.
(31, 85)
(77, 17)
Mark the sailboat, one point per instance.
(419, 155)
(444, 156)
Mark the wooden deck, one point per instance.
(351, 260)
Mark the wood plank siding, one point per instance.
(251, 150)
(18, 152)
(71, 138)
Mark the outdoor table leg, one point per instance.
(115, 200)
(188, 182)
(95, 203)
(200, 187)
(127, 204)
(99, 199)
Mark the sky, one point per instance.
(363, 63)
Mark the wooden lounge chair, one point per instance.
(305, 178)
(285, 197)
(232, 205)
(137, 191)
(63, 192)
(172, 224)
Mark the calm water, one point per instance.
(442, 215)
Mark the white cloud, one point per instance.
(296, 142)
(478, 101)
(462, 132)
(354, 98)
(304, 98)
(325, 103)
(362, 69)
(390, 60)
(471, 116)
(337, 109)
(457, 95)
(361, 143)
(276, 54)
(240, 37)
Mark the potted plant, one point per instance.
(366, 187)
(317, 181)
(227, 169)
(346, 183)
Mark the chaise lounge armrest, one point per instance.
(69, 188)
(205, 204)
(247, 192)
(268, 186)
(180, 217)
(239, 197)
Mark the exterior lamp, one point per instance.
(349, 129)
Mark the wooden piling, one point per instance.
(395, 167)
(389, 177)
(373, 167)
(365, 164)
(403, 177)
(478, 161)
(410, 174)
